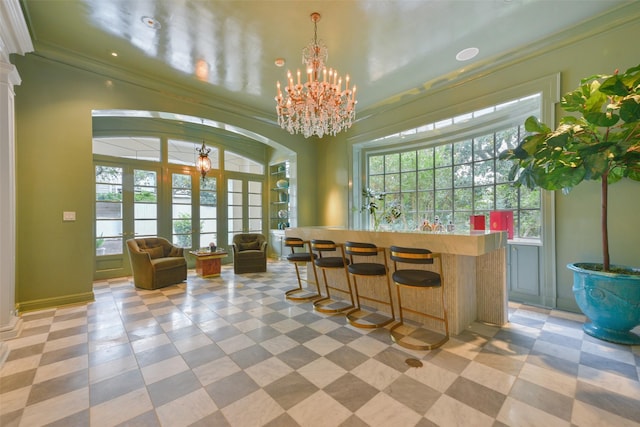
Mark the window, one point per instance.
(181, 217)
(184, 153)
(455, 173)
(128, 147)
(236, 163)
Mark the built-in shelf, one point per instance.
(279, 196)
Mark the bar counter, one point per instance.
(474, 269)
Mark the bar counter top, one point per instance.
(471, 244)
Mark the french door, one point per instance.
(194, 209)
(245, 209)
(126, 206)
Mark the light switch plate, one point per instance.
(68, 216)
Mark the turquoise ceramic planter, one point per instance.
(611, 302)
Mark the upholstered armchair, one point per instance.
(156, 263)
(249, 253)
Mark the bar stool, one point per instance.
(358, 252)
(301, 258)
(419, 338)
(324, 263)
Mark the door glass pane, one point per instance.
(181, 210)
(255, 206)
(234, 208)
(145, 207)
(208, 211)
(108, 237)
(146, 227)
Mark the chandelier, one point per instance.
(320, 106)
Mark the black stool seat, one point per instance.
(417, 278)
(303, 257)
(331, 262)
(368, 269)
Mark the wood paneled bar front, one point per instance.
(474, 269)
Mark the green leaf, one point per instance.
(596, 165)
(633, 173)
(559, 140)
(565, 178)
(615, 175)
(532, 124)
(569, 120)
(630, 110)
(614, 86)
(596, 99)
(530, 145)
(601, 119)
(507, 154)
(573, 101)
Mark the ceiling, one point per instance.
(225, 49)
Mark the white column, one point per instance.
(10, 323)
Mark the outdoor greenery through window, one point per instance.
(450, 181)
(181, 209)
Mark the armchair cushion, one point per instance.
(255, 245)
(175, 252)
(157, 252)
(156, 263)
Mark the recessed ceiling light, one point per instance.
(114, 54)
(279, 62)
(151, 22)
(467, 54)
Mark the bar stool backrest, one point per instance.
(360, 249)
(323, 246)
(411, 255)
(293, 242)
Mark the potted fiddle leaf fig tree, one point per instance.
(600, 141)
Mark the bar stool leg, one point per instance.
(419, 337)
(364, 263)
(327, 304)
(300, 293)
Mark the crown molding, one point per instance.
(14, 34)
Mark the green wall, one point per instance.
(594, 51)
(55, 170)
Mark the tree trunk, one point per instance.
(605, 231)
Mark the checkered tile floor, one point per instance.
(232, 351)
